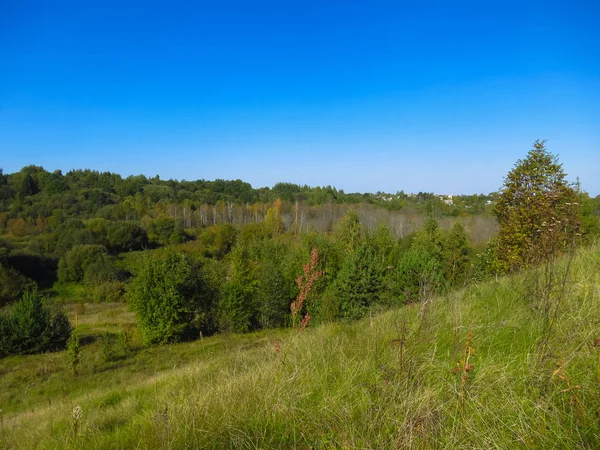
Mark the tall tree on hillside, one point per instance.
(537, 211)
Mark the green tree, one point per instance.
(359, 283)
(31, 321)
(279, 266)
(457, 250)
(126, 236)
(74, 351)
(382, 242)
(170, 298)
(274, 218)
(73, 265)
(219, 240)
(416, 274)
(419, 270)
(165, 230)
(349, 232)
(31, 327)
(590, 218)
(12, 283)
(537, 211)
(238, 309)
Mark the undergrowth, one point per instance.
(478, 368)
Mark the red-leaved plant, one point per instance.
(305, 282)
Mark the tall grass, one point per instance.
(386, 382)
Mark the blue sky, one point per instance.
(366, 96)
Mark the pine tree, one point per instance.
(537, 211)
(359, 283)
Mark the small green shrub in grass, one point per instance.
(74, 351)
(31, 327)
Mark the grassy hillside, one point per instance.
(490, 366)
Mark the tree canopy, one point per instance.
(538, 211)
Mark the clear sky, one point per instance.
(363, 95)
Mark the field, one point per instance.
(492, 365)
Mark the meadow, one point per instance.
(498, 364)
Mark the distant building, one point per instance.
(447, 199)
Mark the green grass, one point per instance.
(361, 385)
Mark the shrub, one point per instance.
(538, 212)
(12, 284)
(126, 236)
(109, 291)
(237, 309)
(73, 264)
(113, 347)
(61, 331)
(170, 298)
(32, 328)
(74, 351)
(219, 240)
(359, 283)
(103, 270)
(6, 336)
(415, 273)
(165, 230)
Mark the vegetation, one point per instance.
(31, 327)
(461, 373)
(170, 298)
(538, 212)
(145, 270)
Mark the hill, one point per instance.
(492, 365)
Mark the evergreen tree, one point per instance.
(538, 212)
(457, 251)
(359, 283)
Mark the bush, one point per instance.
(538, 212)
(415, 274)
(110, 291)
(32, 328)
(126, 236)
(103, 270)
(165, 230)
(6, 336)
(61, 331)
(113, 347)
(74, 351)
(170, 298)
(280, 265)
(12, 284)
(73, 264)
(237, 309)
(359, 283)
(219, 240)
